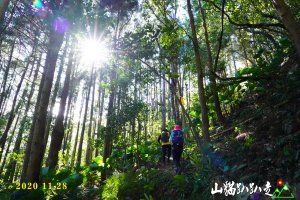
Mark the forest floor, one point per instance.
(265, 145)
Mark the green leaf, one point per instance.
(74, 180)
(63, 174)
(98, 160)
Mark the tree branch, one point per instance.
(248, 25)
(221, 36)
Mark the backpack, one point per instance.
(177, 138)
(165, 136)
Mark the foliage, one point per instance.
(153, 183)
(257, 77)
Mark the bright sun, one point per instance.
(93, 52)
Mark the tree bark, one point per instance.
(58, 129)
(101, 106)
(89, 150)
(54, 95)
(163, 102)
(4, 81)
(14, 109)
(201, 92)
(79, 153)
(77, 133)
(12, 165)
(68, 121)
(289, 22)
(37, 144)
(9, 143)
(30, 135)
(109, 123)
(211, 69)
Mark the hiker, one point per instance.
(163, 139)
(177, 141)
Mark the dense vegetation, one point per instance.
(87, 86)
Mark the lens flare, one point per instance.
(61, 25)
(38, 4)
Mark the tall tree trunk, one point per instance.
(101, 106)
(110, 121)
(8, 145)
(77, 132)
(201, 92)
(89, 149)
(8, 91)
(68, 140)
(163, 101)
(58, 129)
(289, 22)
(30, 135)
(37, 144)
(12, 165)
(54, 95)
(4, 80)
(14, 110)
(79, 153)
(72, 94)
(133, 120)
(68, 121)
(212, 77)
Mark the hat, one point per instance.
(177, 128)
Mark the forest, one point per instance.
(91, 89)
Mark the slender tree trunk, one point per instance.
(12, 166)
(109, 123)
(3, 83)
(13, 111)
(37, 144)
(77, 133)
(172, 102)
(289, 22)
(89, 149)
(68, 128)
(70, 114)
(8, 91)
(58, 129)
(100, 117)
(212, 77)
(79, 153)
(202, 97)
(30, 135)
(54, 95)
(72, 95)
(163, 102)
(134, 119)
(8, 145)
(68, 140)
